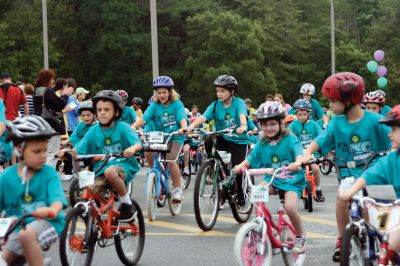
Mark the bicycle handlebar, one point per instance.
(276, 173)
(362, 201)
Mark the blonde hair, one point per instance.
(280, 97)
(173, 96)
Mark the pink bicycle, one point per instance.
(256, 242)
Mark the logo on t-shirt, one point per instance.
(168, 120)
(355, 139)
(276, 162)
(112, 148)
(229, 121)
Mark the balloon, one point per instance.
(382, 70)
(379, 55)
(372, 66)
(382, 82)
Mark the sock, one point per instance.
(186, 169)
(318, 188)
(125, 199)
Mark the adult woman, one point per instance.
(279, 98)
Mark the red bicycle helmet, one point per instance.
(123, 94)
(373, 97)
(392, 118)
(345, 86)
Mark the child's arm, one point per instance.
(308, 154)
(295, 166)
(129, 152)
(357, 186)
(139, 123)
(55, 208)
(243, 124)
(239, 167)
(197, 122)
(2, 128)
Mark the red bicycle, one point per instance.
(310, 192)
(256, 242)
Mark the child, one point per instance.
(137, 104)
(386, 108)
(250, 109)
(373, 102)
(111, 135)
(87, 113)
(228, 111)
(167, 114)
(194, 114)
(307, 91)
(385, 171)
(353, 133)
(128, 113)
(31, 186)
(307, 130)
(278, 148)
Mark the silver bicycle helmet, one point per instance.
(28, 128)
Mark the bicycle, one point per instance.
(9, 225)
(214, 185)
(256, 242)
(158, 182)
(363, 239)
(93, 221)
(309, 193)
(326, 167)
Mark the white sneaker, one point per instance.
(177, 195)
(186, 171)
(65, 177)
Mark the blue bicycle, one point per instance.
(158, 184)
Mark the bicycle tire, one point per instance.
(326, 168)
(309, 197)
(290, 258)
(199, 185)
(72, 217)
(249, 237)
(119, 247)
(75, 192)
(351, 242)
(241, 217)
(151, 199)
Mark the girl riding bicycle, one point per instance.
(166, 114)
(228, 111)
(278, 148)
(31, 186)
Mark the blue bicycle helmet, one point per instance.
(302, 104)
(163, 82)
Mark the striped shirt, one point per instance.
(29, 100)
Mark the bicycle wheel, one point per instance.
(290, 258)
(73, 251)
(206, 197)
(75, 192)
(352, 251)
(249, 249)
(185, 177)
(129, 243)
(309, 197)
(325, 168)
(174, 208)
(243, 215)
(151, 198)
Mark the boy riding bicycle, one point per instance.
(306, 130)
(31, 186)
(228, 111)
(278, 148)
(109, 136)
(385, 171)
(353, 133)
(166, 114)
(87, 113)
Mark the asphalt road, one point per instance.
(177, 240)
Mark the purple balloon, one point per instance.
(379, 55)
(382, 71)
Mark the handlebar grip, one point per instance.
(49, 215)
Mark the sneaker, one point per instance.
(320, 196)
(186, 171)
(299, 245)
(65, 177)
(127, 212)
(336, 254)
(177, 195)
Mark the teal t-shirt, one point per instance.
(44, 187)
(6, 146)
(116, 139)
(79, 132)
(166, 118)
(385, 171)
(385, 109)
(228, 117)
(281, 154)
(128, 115)
(354, 142)
(306, 132)
(316, 111)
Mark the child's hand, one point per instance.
(307, 158)
(129, 152)
(43, 212)
(241, 130)
(61, 153)
(294, 167)
(237, 169)
(182, 131)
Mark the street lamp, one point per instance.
(333, 59)
(45, 37)
(154, 41)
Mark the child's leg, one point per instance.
(8, 256)
(186, 149)
(342, 214)
(291, 198)
(394, 240)
(32, 250)
(316, 173)
(112, 174)
(173, 167)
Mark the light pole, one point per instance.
(154, 41)
(333, 59)
(45, 37)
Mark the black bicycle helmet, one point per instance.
(138, 101)
(109, 95)
(227, 82)
(86, 106)
(28, 128)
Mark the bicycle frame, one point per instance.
(310, 178)
(160, 171)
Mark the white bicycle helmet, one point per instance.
(307, 88)
(28, 128)
(270, 110)
(374, 97)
